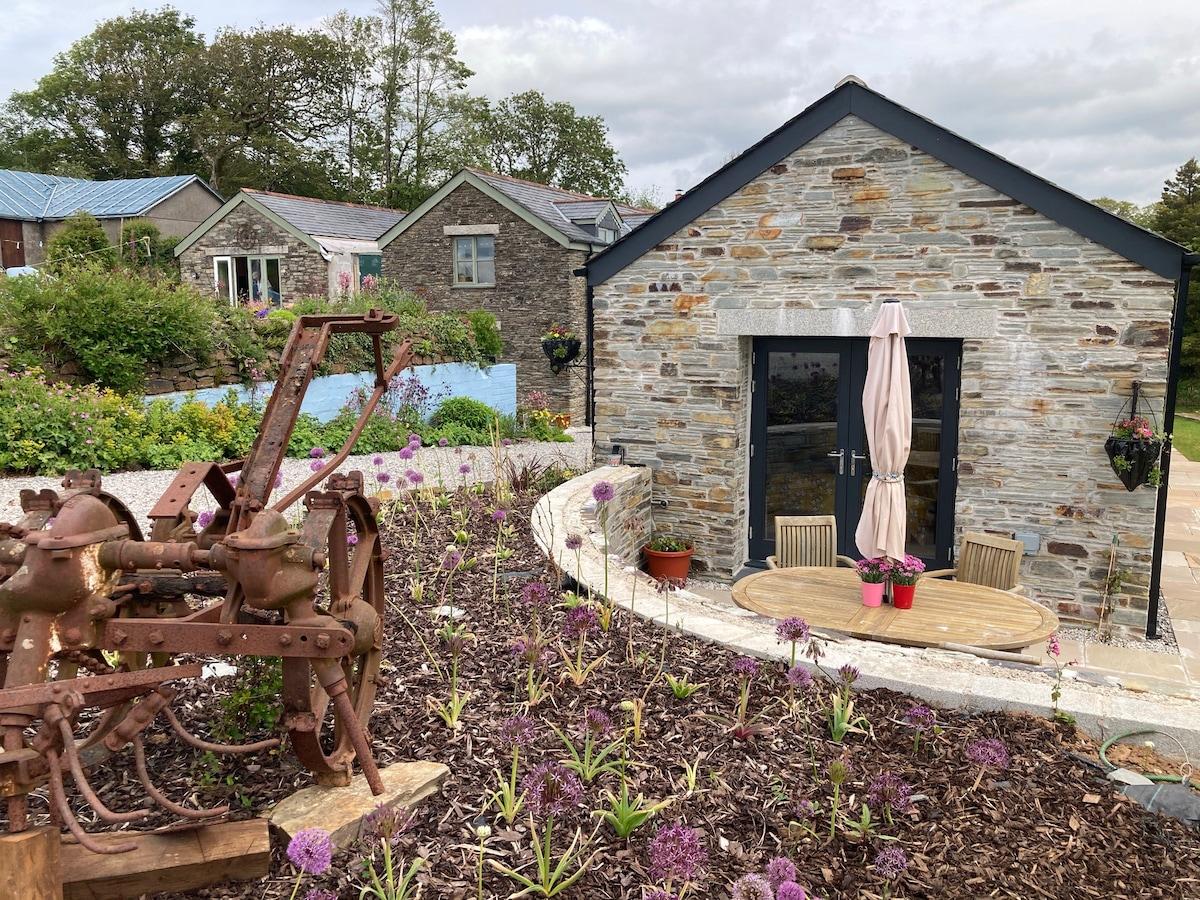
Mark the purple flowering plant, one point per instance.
(677, 856)
(874, 570)
(388, 879)
(922, 720)
(516, 732)
(311, 852)
(1053, 651)
(580, 621)
(794, 631)
(906, 571)
(595, 728)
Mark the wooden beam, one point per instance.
(167, 861)
(29, 864)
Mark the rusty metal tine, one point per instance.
(199, 744)
(357, 734)
(81, 782)
(139, 757)
(404, 355)
(58, 798)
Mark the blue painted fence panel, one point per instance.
(327, 394)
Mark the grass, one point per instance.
(1186, 438)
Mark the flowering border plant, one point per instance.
(874, 570)
(558, 332)
(907, 571)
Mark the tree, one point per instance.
(116, 102)
(1177, 218)
(355, 137)
(1138, 215)
(531, 138)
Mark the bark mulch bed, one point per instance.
(1047, 825)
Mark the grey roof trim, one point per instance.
(231, 204)
(466, 176)
(1122, 237)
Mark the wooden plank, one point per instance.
(30, 865)
(943, 611)
(168, 861)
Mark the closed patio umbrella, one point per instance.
(887, 410)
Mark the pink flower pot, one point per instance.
(902, 595)
(872, 593)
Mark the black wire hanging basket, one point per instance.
(1135, 446)
(561, 351)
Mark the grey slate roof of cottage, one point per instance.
(32, 197)
(852, 97)
(329, 218)
(543, 201)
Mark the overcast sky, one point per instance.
(1102, 97)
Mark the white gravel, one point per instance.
(140, 490)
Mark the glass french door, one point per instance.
(809, 453)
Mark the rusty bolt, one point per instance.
(72, 635)
(119, 636)
(155, 637)
(318, 560)
(322, 642)
(224, 637)
(285, 640)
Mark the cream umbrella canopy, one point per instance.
(887, 411)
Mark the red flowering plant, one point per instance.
(558, 332)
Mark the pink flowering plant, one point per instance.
(874, 570)
(906, 571)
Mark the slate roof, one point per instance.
(854, 98)
(32, 197)
(329, 218)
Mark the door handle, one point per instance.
(855, 455)
(841, 458)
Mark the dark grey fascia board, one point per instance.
(1149, 250)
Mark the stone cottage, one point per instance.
(513, 248)
(730, 350)
(274, 248)
(34, 206)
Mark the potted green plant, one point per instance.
(1134, 449)
(561, 346)
(904, 576)
(668, 557)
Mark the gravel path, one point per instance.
(140, 490)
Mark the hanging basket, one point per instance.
(560, 352)
(1140, 458)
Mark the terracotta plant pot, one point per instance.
(662, 564)
(562, 420)
(902, 595)
(872, 593)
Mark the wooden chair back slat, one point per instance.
(991, 561)
(805, 541)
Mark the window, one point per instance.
(247, 279)
(475, 260)
(608, 235)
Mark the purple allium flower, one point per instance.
(464, 469)
(659, 894)
(779, 870)
(261, 313)
(752, 887)
(233, 479)
(920, 717)
(278, 479)
(405, 453)
(316, 465)
(317, 452)
(452, 559)
(204, 519)
(676, 854)
(386, 822)
(506, 442)
(891, 862)
(414, 438)
(383, 477)
(499, 515)
(517, 731)
(597, 723)
(574, 541)
(848, 674)
(745, 667)
(320, 894)
(804, 809)
(351, 540)
(799, 677)
(603, 491)
(789, 890)
(580, 620)
(378, 461)
(989, 752)
(311, 851)
(889, 790)
(415, 477)
(443, 442)
(535, 594)
(793, 629)
(552, 789)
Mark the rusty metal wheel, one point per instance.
(323, 730)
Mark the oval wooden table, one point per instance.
(943, 611)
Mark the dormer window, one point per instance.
(608, 235)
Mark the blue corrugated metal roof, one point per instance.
(30, 196)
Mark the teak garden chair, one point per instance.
(806, 541)
(983, 559)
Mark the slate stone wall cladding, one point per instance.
(854, 217)
(246, 232)
(534, 288)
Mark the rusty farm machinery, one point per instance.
(93, 616)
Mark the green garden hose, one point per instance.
(1171, 778)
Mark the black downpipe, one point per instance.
(589, 413)
(1178, 319)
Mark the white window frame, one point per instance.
(474, 277)
(231, 292)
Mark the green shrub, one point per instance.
(456, 434)
(465, 411)
(142, 246)
(486, 333)
(80, 242)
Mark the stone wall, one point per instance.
(534, 287)
(246, 232)
(1055, 329)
